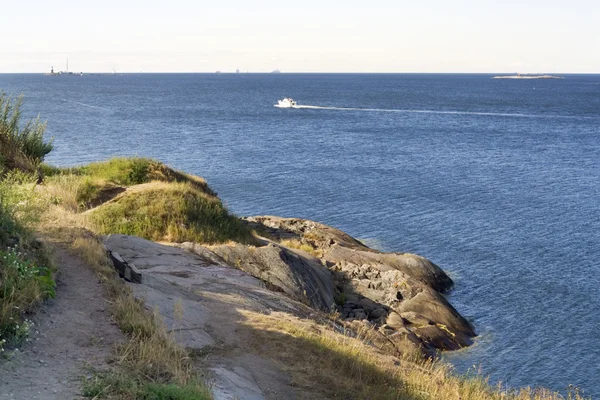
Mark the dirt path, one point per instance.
(72, 332)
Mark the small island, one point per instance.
(528, 76)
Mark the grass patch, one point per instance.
(175, 212)
(300, 245)
(145, 198)
(135, 171)
(126, 388)
(349, 367)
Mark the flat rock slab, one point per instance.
(200, 302)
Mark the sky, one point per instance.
(300, 36)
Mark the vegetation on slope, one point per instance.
(143, 197)
(25, 270)
(175, 212)
(349, 367)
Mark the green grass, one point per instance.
(176, 212)
(125, 387)
(26, 274)
(135, 170)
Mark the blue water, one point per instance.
(497, 181)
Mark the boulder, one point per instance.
(297, 274)
(432, 306)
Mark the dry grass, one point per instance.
(345, 367)
(62, 190)
(300, 245)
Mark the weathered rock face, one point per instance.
(300, 276)
(398, 293)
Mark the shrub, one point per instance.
(21, 147)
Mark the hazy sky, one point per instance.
(300, 36)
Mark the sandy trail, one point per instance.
(72, 333)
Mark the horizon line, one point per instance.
(295, 72)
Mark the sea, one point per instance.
(495, 180)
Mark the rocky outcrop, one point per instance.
(397, 295)
(300, 276)
(400, 294)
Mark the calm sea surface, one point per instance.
(497, 181)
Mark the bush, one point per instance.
(21, 147)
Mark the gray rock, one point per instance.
(300, 276)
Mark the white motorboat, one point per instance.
(286, 103)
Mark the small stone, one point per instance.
(378, 313)
(359, 313)
(395, 321)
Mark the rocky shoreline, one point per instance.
(398, 294)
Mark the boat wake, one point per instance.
(85, 105)
(448, 112)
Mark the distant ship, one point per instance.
(276, 71)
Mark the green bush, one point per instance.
(17, 199)
(21, 146)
